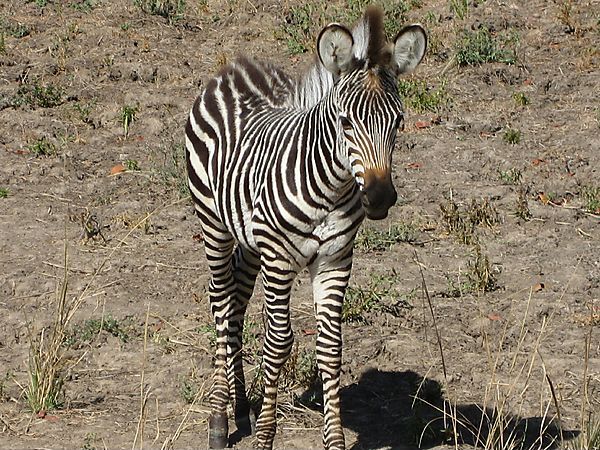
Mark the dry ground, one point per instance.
(69, 70)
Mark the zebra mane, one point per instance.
(370, 49)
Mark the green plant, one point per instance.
(512, 136)
(420, 98)
(19, 30)
(125, 26)
(188, 389)
(84, 111)
(172, 10)
(378, 294)
(172, 168)
(3, 192)
(297, 29)
(42, 147)
(480, 47)
(300, 370)
(2, 43)
(36, 95)
(511, 176)
(83, 5)
(127, 117)
(370, 239)
(131, 165)
(91, 328)
(521, 99)
(39, 3)
(591, 197)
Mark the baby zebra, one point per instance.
(282, 173)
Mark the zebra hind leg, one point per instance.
(222, 294)
(246, 267)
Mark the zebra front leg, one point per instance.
(329, 286)
(277, 346)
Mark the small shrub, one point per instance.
(512, 136)
(522, 205)
(418, 97)
(521, 99)
(480, 275)
(379, 294)
(132, 165)
(172, 10)
(91, 328)
(3, 192)
(36, 95)
(300, 370)
(463, 223)
(188, 389)
(511, 176)
(42, 147)
(480, 47)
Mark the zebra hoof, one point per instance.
(218, 430)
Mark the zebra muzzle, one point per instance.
(378, 195)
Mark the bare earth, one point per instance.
(145, 280)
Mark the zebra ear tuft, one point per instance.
(335, 47)
(409, 48)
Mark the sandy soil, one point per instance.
(130, 383)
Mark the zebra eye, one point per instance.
(346, 125)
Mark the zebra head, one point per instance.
(369, 110)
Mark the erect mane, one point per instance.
(369, 38)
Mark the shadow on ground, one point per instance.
(402, 410)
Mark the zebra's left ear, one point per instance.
(409, 48)
(335, 47)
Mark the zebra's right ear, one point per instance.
(335, 47)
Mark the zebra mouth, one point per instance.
(374, 213)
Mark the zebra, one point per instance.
(282, 172)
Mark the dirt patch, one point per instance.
(93, 98)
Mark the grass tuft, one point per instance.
(372, 240)
(4, 192)
(479, 47)
(42, 147)
(37, 95)
(511, 176)
(512, 136)
(420, 98)
(591, 198)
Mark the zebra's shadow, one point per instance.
(402, 410)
